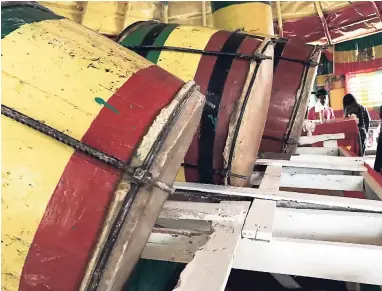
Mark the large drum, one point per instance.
(92, 137)
(236, 84)
(295, 69)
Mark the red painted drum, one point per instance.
(295, 68)
(237, 85)
(82, 120)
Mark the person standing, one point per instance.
(378, 156)
(321, 111)
(353, 109)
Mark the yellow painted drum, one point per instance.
(237, 88)
(249, 16)
(78, 112)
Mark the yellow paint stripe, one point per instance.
(351, 56)
(254, 17)
(48, 73)
(180, 64)
(184, 65)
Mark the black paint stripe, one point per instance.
(151, 36)
(209, 117)
(279, 48)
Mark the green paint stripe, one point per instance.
(360, 43)
(14, 17)
(153, 56)
(216, 5)
(137, 36)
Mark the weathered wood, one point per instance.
(352, 204)
(327, 151)
(321, 158)
(330, 143)
(259, 222)
(329, 182)
(271, 179)
(304, 140)
(210, 268)
(318, 259)
(353, 166)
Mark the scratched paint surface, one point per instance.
(67, 67)
(183, 65)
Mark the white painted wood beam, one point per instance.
(354, 166)
(259, 222)
(326, 182)
(211, 266)
(318, 259)
(304, 140)
(271, 179)
(318, 151)
(352, 204)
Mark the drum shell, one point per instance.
(223, 80)
(293, 82)
(250, 16)
(55, 200)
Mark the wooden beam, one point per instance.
(351, 204)
(211, 265)
(271, 179)
(353, 166)
(373, 184)
(327, 159)
(318, 259)
(304, 140)
(327, 151)
(259, 222)
(329, 182)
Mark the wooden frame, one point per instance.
(284, 233)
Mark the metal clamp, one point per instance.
(143, 177)
(260, 57)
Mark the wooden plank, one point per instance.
(330, 143)
(325, 159)
(259, 222)
(329, 182)
(353, 166)
(352, 204)
(211, 266)
(304, 140)
(328, 225)
(313, 171)
(372, 189)
(271, 179)
(310, 258)
(317, 151)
